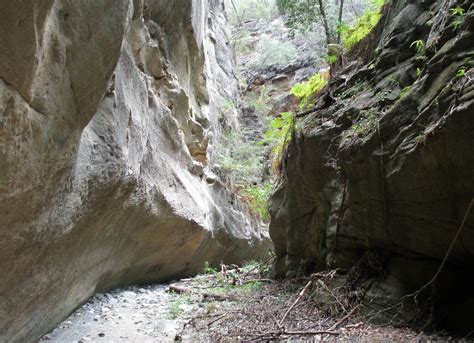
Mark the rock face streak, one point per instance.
(107, 132)
(381, 175)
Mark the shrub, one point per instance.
(305, 90)
(239, 158)
(257, 198)
(273, 52)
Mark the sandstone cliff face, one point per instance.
(380, 176)
(107, 132)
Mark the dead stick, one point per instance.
(284, 332)
(295, 302)
(343, 319)
(216, 319)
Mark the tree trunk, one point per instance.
(325, 22)
(339, 22)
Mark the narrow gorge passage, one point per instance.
(236, 170)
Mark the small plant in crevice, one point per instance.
(458, 14)
(420, 138)
(419, 46)
(331, 59)
(367, 122)
(461, 72)
(381, 96)
(305, 91)
(175, 309)
(277, 136)
(358, 87)
(405, 91)
(391, 81)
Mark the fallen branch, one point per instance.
(303, 291)
(257, 280)
(291, 332)
(216, 319)
(206, 295)
(343, 319)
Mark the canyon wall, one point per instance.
(108, 131)
(379, 177)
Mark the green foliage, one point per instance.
(358, 87)
(278, 136)
(456, 11)
(207, 269)
(306, 90)
(331, 59)
(260, 103)
(367, 122)
(353, 34)
(175, 309)
(419, 46)
(381, 96)
(250, 9)
(391, 80)
(418, 72)
(240, 41)
(257, 198)
(273, 52)
(405, 91)
(300, 14)
(461, 72)
(420, 138)
(238, 157)
(459, 14)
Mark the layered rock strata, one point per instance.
(379, 178)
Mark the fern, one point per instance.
(419, 46)
(305, 90)
(362, 26)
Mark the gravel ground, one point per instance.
(132, 314)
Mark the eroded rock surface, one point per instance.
(107, 131)
(380, 176)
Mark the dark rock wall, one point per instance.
(384, 167)
(108, 122)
